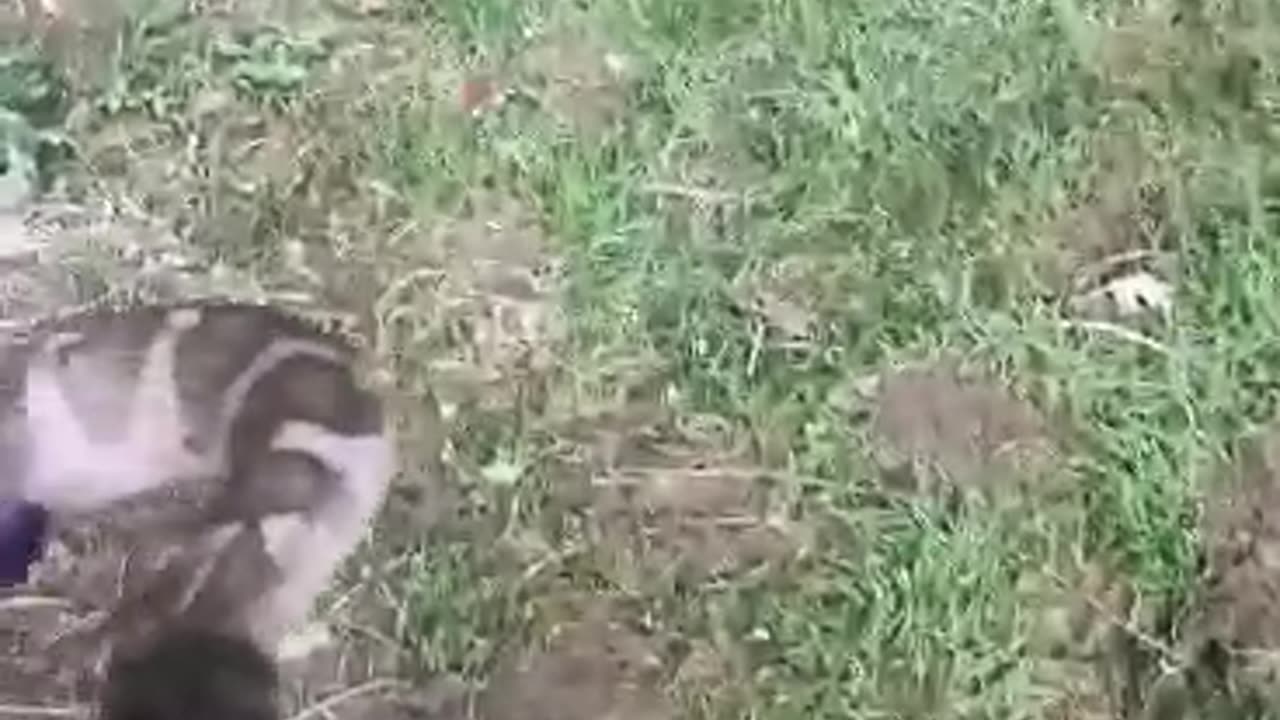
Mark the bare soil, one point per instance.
(1237, 630)
(944, 430)
(595, 668)
(679, 503)
(581, 81)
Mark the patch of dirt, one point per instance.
(1092, 643)
(942, 431)
(579, 79)
(1244, 548)
(670, 508)
(572, 74)
(488, 344)
(498, 271)
(589, 669)
(1237, 629)
(488, 274)
(714, 677)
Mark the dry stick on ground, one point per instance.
(325, 706)
(1117, 331)
(705, 196)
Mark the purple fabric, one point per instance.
(22, 536)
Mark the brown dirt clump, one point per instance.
(668, 507)
(590, 669)
(714, 677)
(943, 432)
(1238, 625)
(1092, 643)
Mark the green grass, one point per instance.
(913, 159)
(913, 153)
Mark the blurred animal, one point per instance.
(231, 439)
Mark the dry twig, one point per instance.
(325, 706)
(1117, 331)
